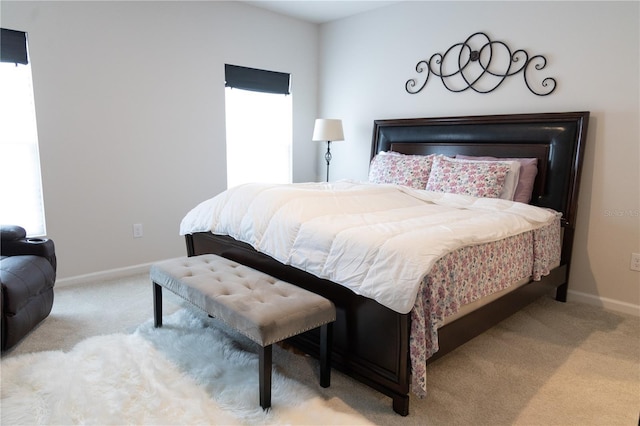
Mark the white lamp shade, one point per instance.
(327, 129)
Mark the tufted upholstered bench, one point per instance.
(261, 307)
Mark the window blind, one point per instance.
(13, 46)
(256, 80)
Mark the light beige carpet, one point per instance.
(192, 371)
(550, 364)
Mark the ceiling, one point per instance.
(319, 11)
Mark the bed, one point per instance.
(376, 344)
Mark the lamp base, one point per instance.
(327, 157)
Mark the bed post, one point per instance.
(401, 404)
(565, 259)
(188, 239)
(582, 120)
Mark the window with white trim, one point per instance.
(258, 107)
(21, 193)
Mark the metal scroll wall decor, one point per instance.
(481, 64)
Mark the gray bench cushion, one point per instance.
(257, 305)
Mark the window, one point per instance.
(259, 126)
(21, 195)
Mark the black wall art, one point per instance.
(482, 64)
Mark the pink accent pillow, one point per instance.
(528, 172)
(477, 178)
(400, 169)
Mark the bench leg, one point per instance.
(265, 376)
(157, 305)
(326, 339)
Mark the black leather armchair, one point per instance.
(27, 275)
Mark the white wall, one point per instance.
(130, 109)
(592, 50)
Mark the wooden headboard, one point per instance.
(555, 139)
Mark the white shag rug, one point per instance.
(190, 371)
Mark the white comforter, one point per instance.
(378, 240)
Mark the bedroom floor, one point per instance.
(551, 363)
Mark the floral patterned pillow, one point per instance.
(401, 169)
(477, 178)
(526, 178)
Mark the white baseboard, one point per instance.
(603, 302)
(111, 274)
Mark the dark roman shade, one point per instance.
(13, 46)
(256, 80)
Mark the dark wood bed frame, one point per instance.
(371, 342)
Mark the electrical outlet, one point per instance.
(137, 230)
(635, 262)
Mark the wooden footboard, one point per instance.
(358, 349)
(371, 342)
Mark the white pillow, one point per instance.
(511, 181)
